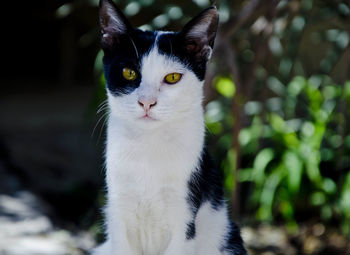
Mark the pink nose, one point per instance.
(146, 104)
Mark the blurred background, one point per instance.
(277, 111)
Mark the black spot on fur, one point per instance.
(191, 230)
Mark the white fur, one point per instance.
(212, 226)
(149, 163)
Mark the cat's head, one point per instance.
(155, 77)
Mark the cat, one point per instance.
(164, 196)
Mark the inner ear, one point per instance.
(198, 35)
(113, 24)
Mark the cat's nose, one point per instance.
(147, 104)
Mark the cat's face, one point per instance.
(155, 77)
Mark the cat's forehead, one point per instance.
(143, 42)
(162, 41)
(163, 52)
(135, 45)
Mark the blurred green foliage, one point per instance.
(287, 71)
(292, 151)
(294, 140)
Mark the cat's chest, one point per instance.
(148, 185)
(148, 166)
(148, 180)
(149, 220)
(147, 189)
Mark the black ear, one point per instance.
(113, 23)
(198, 34)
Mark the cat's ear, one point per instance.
(113, 23)
(198, 34)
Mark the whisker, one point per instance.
(132, 41)
(102, 109)
(102, 106)
(103, 102)
(103, 115)
(102, 128)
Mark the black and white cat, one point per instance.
(164, 195)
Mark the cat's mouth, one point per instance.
(147, 117)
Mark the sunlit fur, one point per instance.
(164, 196)
(149, 162)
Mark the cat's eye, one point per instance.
(129, 74)
(172, 78)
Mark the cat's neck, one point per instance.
(175, 146)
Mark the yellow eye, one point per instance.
(129, 74)
(172, 78)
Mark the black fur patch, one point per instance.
(205, 185)
(127, 52)
(171, 44)
(234, 242)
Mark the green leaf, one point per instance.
(244, 136)
(276, 86)
(345, 196)
(214, 112)
(312, 167)
(329, 92)
(229, 167)
(214, 128)
(98, 65)
(307, 129)
(347, 90)
(287, 209)
(294, 166)
(225, 87)
(261, 161)
(291, 140)
(277, 123)
(318, 198)
(268, 193)
(329, 186)
(296, 86)
(245, 174)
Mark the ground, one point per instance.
(26, 228)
